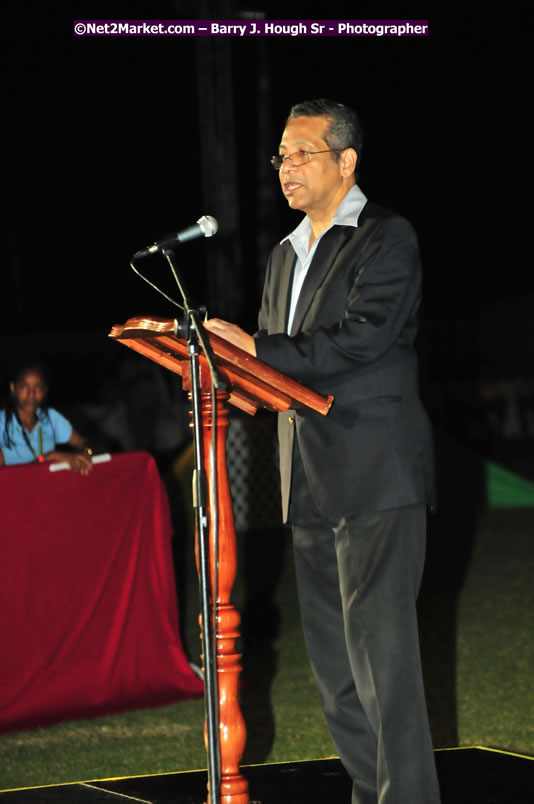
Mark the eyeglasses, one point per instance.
(299, 157)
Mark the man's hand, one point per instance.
(232, 333)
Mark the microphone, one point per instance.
(206, 226)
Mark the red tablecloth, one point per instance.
(88, 608)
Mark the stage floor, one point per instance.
(467, 776)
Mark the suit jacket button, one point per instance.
(291, 420)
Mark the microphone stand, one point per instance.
(192, 329)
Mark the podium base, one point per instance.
(467, 776)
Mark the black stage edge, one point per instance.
(467, 776)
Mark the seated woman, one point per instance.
(30, 430)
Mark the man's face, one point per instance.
(317, 185)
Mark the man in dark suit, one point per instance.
(339, 314)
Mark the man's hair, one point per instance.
(344, 126)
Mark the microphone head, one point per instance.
(208, 225)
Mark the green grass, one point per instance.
(476, 630)
(495, 637)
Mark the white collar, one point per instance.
(347, 214)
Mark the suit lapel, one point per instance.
(324, 260)
(286, 282)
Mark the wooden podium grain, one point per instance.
(251, 385)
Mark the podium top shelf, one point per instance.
(252, 383)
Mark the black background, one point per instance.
(104, 155)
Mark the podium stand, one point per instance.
(251, 385)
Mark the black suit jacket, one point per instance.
(353, 336)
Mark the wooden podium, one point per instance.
(251, 385)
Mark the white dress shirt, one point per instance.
(346, 214)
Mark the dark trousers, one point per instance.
(358, 580)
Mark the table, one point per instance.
(88, 604)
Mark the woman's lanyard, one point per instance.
(39, 457)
